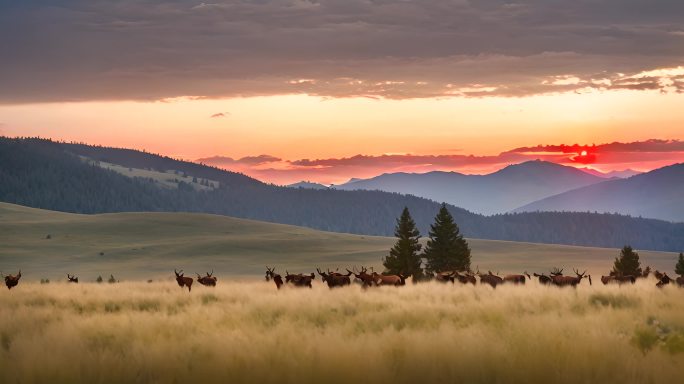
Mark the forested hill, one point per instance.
(66, 177)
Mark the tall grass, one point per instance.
(139, 332)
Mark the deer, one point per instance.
(543, 279)
(364, 277)
(208, 281)
(72, 279)
(182, 280)
(299, 280)
(490, 279)
(11, 281)
(563, 281)
(516, 279)
(335, 279)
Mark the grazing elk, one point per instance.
(208, 281)
(335, 279)
(563, 281)
(490, 279)
(364, 277)
(12, 281)
(543, 279)
(664, 280)
(516, 279)
(182, 280)
(467, 278)
(72, 279)
(299, 280)
(395, 280)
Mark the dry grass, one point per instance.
(139, 332)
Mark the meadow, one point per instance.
(249, 332)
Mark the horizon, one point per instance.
(330, 90)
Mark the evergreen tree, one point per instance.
(404, 257)
(627, 263)
(446, 249)
(679, 268)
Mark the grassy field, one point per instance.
(252, 333)
(141, 246)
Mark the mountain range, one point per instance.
(656, 194)
(79, 178)
(499, 192)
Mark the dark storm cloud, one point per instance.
(150, 50)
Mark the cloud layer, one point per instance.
(104, 50)
(640, 156)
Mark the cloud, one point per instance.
(640, 155)
(153, 50)
(220, 115)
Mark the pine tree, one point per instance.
(404, 257)
(679, 268)
(446, 249)
(627, 263)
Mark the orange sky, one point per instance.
(294, 127)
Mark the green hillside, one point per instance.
(150, 245)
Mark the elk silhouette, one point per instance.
(563, 281)
(72, 279)
(182, 280)
(12, 281)
(299, 280)
(208, 281)
(490, 279)
(516, 279)
(467, 278)
(445, 276)
(543, 279)
(335, 279)
(664, 280)
(271, 275)
(366, 279)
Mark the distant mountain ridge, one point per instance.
(612, 174)
(308, 184)
(67, 177)
(494, 193)
(658, 194)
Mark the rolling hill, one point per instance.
(151, 245)
(498, 192)
(79, 178)
(658, 194)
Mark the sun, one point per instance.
(583, 153)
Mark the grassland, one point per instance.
(252, 333)
(141, 246)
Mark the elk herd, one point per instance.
(361, 276)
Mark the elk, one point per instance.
(299, 280)
(366, 279)
(445, 277)
(209, 280)
(395, 280)
(563, 281)
(182, 280)
(645, 273)
(467, 278)
(335, 279)
(665, 280)
(271, 275)
(72, 279)
(658, 275)
(543, 279)
(490, 279)
(12, 281)
(680, 281)
(516, 279)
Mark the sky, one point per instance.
(290, 90)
